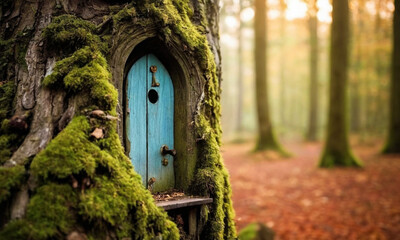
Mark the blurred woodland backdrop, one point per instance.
(295, 28)
(315, 83)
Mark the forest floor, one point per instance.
(299, 201)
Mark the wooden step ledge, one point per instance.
(185, 202)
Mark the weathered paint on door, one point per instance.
(150, 122)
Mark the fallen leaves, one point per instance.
(300, 201)
(169, 195)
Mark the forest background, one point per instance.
(289, 68)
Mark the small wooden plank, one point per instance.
(193, 222)
(181, 203)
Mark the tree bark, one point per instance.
(266, 138)
(393, 139)
(337, 150)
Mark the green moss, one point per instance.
(21, 45)
(10, 178)
(85, 70)
(49, 210)
(70, 32)
(7, 91)
(256, 231)
(211, 179)
(249, 232)
(9, 140)
(13, 50)
(6, 48)
(73, 151)
(16, 229)
(115, 198)
(126, 14)
(48, 214)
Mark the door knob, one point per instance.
(165, 150)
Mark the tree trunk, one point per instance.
(266, 138)
(62, 81)
(393, 140)
(337, 150)
(313, 90)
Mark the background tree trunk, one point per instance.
(313, 90)
(266, 138)
(393, 140)
(337, 151)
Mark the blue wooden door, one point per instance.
(150, 122)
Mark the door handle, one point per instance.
(165, 150)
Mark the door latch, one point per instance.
(154, 83)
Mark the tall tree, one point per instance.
(393, 140)
(313, 87)
(266, 138)
(337, 150)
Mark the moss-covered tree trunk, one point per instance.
(393, 140)
(61, 79)
(313, 89)
(337, 150)
(266, 137)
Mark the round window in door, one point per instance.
(150, 122)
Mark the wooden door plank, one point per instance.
(136, 118)
(160, 127)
